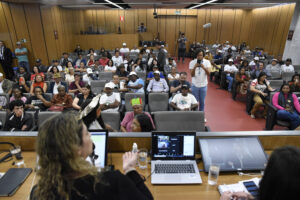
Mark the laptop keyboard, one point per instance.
(174, 168)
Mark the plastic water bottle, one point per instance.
(134, 148)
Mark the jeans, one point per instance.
(181, 53)
(25, 65)
(200, 94)
(230, 79)
(293, 117)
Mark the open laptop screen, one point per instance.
(173, 145)
(233, 153)
(99, 138)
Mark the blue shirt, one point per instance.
(136, 83)
(151, 75)
(158, 86)
(22, 58)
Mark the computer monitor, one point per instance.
(100, 139)
(173, 145)
(233, 153)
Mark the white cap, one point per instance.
(162, 45)
(227, 41)
(89, 70)
(145, 45)
(256, 58)
(18, 43)
(1, 74)
(156, 72)
(206, 50)
(124, 44)
(230, 60)
(132, 73)
(109, 85)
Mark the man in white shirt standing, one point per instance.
(200, 70)
(124, 49)
(184, 101)
(230, 69)
(110, 101)
(117, 59)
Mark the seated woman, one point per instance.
(38, 100)
(67, 67)
(295, 83)
(110, 67)
(288, 106)
(17, 94)
(173, 75)
(53, 70)
(242, 80)
(64, 172)
(38, 81)
(122, 73)
(126, 124)
(22, 73)
(36, 71)
(70, 76)
(86, 95)
(91, 61)
(141, 123)
(138, 67)
(261, 87)
(62, 99)
(81, 68)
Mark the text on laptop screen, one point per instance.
(173, 146)
(99, 139)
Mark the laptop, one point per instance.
(173, 158)
(99, 156)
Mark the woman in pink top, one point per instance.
(288, 106)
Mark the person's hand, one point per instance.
(186, 109)
(226, 196)
(39, 96)
(129, 160)
(264, 94)
(242, 195)
(30, 106)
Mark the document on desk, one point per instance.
(238, 187)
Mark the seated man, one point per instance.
(18, 120)
(177, 84)
(273, 67)
(110, 101)
(261, 68)
(75, 86)
(54, 85)
(230, 69)
(65, 59)
(158, 84)
(135, 84)
(150, 75)
(184, 101)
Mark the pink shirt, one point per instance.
(128, 119)
(295, 99)
(12, 98)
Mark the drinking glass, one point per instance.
(143, 153)
(213, 174)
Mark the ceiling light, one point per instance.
(114, 4)
(202, 4)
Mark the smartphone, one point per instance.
(199, 61)
(251, 187)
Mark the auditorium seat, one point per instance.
(2, 118)
(97, 86)
(129, 96)
(105, 76)
(112, 119)
(287, 76)
(275, 75)
(7, 98)
(276, 84)
(297, 68)
(43, 116)
(179, 121)
(158, 102)
(142, 75)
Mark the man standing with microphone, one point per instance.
(200, 70)
(181, 47)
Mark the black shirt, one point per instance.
(82, 100)
(37, 102)
(176, 83)
(120, 74)
(112, 185)
(16, 123)
(22, 88)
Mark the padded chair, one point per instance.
(27, 95)
(276, 84)
(129, 96)
(2, 118)
(7, 100)
(158, 102)
(105, 76)
(142, 75)
(275, 75)
(49, 95)
(179, 121)
(249, 101)
(98, 86)
(287, 76)
(112, 118)
(297, 68)
(43, 116)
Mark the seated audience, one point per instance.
(36, 71)
(288, 106)
(65, 59)
(82, 68)
(62, 99)
(124, 49)
(230, 69)
(103, 61)
(135, 50)
(38, 81)
(137, 105)
(135, 84)
(273, 67)
(150, 75)
(215, 68)
(117, 59)
(80, 179)
(177, 84)
(208, 55)
(89, 76)
(184, 101)
(78, 50)
(173, 75)
(122, 73)
(18, 119)
(110, 101)
(138, 66)
(295, 83)
(243, 81)
(261, 87)
(23, 85)
(158, 84)
(91, 61)
(38, 100)
(153, 64)
(81, 98)
(75, 86)
(287, 67)
(110, 67)
(141, 123)
(91, 52)
(67, 67)
(41, 67)
(69, 78)
(79, 60)
(254, 63)
(219, 55)
(53, 88)
(5, 85)
(260, 69)
(56, 64)
(127, 63)
(22, 73)
(17, 94)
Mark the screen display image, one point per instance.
(173, 146)
(233, 154)
(99, 139)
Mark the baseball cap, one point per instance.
(156, 72)
(132, 73)
(184, 86)
(230, 60)
(256, 58)
(38, 60)
(89, 71)
(274, 60)
(109, 85)
(145, 45)
(18, 43)
(124, 44)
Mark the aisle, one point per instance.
(223, 113)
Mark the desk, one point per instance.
(160, 192)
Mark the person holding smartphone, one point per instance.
(200, 69)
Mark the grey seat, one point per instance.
(275, 75)
(142, 75)
(43, 116)
(158, 102)
(276, 84)
(98, 86)
(112, 118)
(27, 95)
(107, 76)
(287, 76)
(179, 121)
(129, 96)
(297, 68)
(2, 118)
(3, 103)
(49, 95)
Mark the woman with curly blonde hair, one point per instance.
(63, 144)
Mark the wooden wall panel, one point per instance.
(4, 29)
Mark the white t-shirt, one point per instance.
(1, 89)
(289, 68)
(124, 50)
(55, 90)
(200, 78)
(110, 68)
(230, 69)
(59, 67)
(135, 51)
(87, 79)
(183, 102)
(176, 76)
(69, 78)
(104, 99)
(117, 60)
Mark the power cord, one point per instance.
(251, 174)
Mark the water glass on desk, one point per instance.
(16, 156)
(143, 154)
(213, 174)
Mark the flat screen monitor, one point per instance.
(233, 153)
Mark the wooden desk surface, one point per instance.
(160, 192)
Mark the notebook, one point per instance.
(173, 158)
